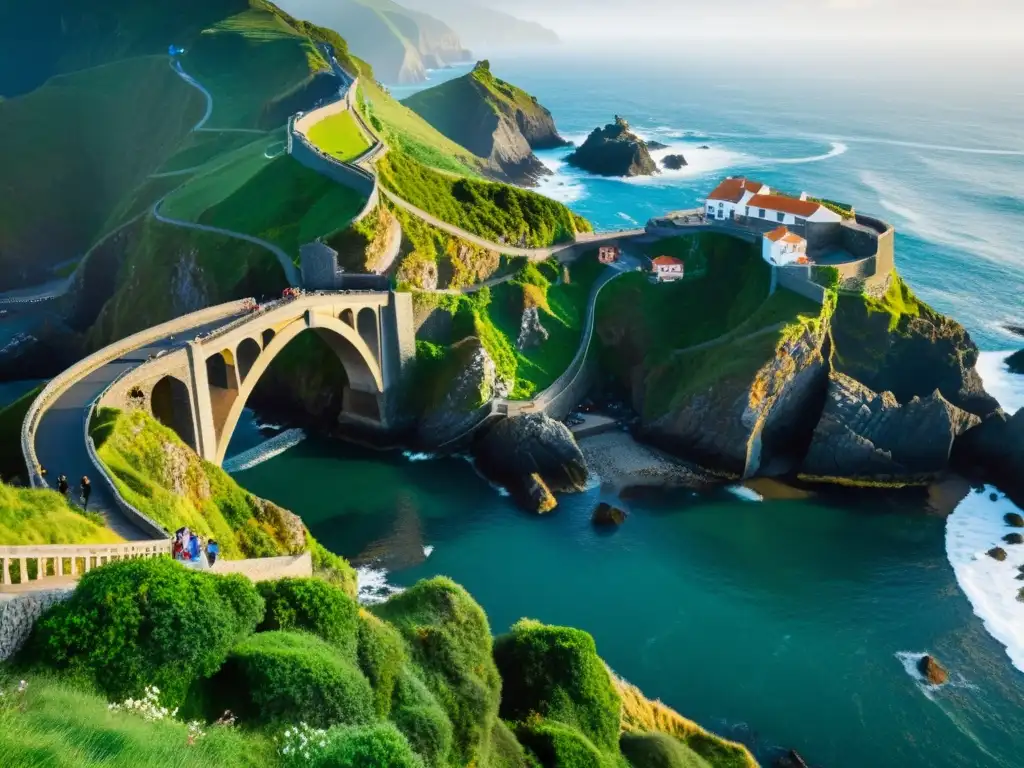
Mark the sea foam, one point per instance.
(264, 451)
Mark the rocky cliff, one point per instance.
(492, 119)
(614, 151)
(455, 391)
(486, 28)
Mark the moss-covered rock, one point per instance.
(370, 746)
(381, 656)
(614, 151)
(311, 605)
(557, 745)
(659, 750)
(419, 715)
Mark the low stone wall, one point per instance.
(19, 613)
(799, 280)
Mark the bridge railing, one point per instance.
(58, 385)
(35, 563)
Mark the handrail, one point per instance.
(68, 550)
(66, 379)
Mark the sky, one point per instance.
(778, 22)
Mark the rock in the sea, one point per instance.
(674, 162)
(995, 450)
(1014, 520)
(867, 435)
(1015, 362)
(520, 450)
(536, 495)
(932, 671)
(791, 759)
(655, 145)
(1020, 595)
(464, 383)
(614, 151)
(606, 514)
(1014, 538)
(997, 553)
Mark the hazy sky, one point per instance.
(776, 21)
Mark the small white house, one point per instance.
(667, 268)
(789, 211)
(731, 195)
(781, 247)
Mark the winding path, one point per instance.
(291, 272)
(201, 125)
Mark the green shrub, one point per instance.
(659, 750)
(556, 745)
(332, 568)
(421, 718)
(450, 642)
(245, 601)
(381, 655)
(372, 746)
(311, 605)
(556, 673)
(137, 623)
(286, 677)
(506, 751)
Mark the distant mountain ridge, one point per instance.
(485, 28)
(400, 44)
(492, 119)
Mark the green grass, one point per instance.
(76, 147)
(339, 136)
(63, 725)
(405, 131)
(12, 462)
(249, 62)
(899, 303)
(200, 148)
(496, 212)
(32, 516)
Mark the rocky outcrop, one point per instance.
(932, 671)
(1015, 362)
(1014, 520)
(605, 514)
(997, 553)
(674, 162)
(19, 613)
(465, 384)
(524, 452)
(790, 759)
(287, 526)
(492, 119)
(910, 354)
(531, 332)
(614, 151)
(1014, 538)
(866, 435)
(994, 451)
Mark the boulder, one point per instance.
(674, 162)
(464, 385)
(1014, 538)
(791, 759)
(1014, 520)
(531, 332)
(994, 450)
(1015, 362)
(862, 434)
(521, 452)
(535, 495)
(1020, 595)
(997, 553)
(614, 151)
(932, 671)
(606, 514)
(655, 145)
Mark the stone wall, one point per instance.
(799, 280)
(18, 614)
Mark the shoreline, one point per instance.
(623, 463)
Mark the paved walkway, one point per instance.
(201, 125)
(60, 437)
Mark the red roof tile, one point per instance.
(784, 204)
(732, 189)
(666, 261)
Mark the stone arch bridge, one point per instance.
(199, 388)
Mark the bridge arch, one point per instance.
(361, 363)
(368, 326)
(246, 354)
(171, 405)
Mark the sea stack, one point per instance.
(614, 151)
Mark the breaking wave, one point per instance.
(266, 450)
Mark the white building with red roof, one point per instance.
(729, 198)
(790, 211)
(780, 247)
(667, 268)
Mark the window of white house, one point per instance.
(781, 216)
(801, 222)
(760, 212)
(748, 210)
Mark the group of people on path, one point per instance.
(187, 547)
(85, 486)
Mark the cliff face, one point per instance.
(614, 151)
(482, 27)
(492, 119)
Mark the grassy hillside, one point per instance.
(497, 212)
(128, 118)
(339, 136)
(29, 516)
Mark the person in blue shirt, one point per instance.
(212, 550)
(194, 549)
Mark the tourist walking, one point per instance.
(212, 550)
(194, 549)
(86, 492)
(62, 485)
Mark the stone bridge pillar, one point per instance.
(398, 353)
(206, 431)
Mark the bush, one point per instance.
(381, 656)
(313, 606)
(556, 673)
(332, 568)
(373, 746)
(506, 751)
(659, 750)
(450, 642)
(137, 623)
(246, 603)
(557, 745)
(286, 677)
(421, 718)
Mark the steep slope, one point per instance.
(398, 43)
(492, 119)
(484, 28)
